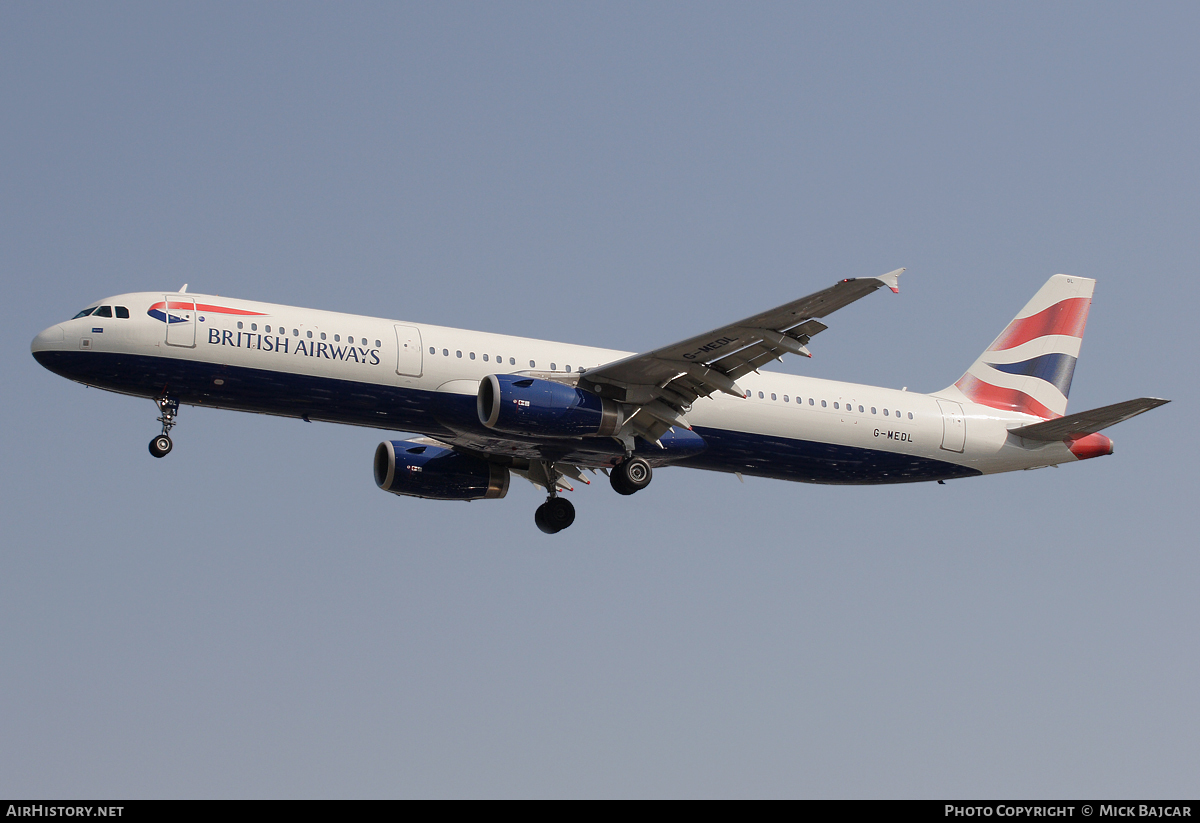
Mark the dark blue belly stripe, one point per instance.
(453, 418)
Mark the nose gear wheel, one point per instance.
(168, 408)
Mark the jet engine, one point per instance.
(417, 469)
(543, 408)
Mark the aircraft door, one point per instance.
(954, 426)
(181, 320)
(408, 346)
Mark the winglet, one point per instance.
(891, 280)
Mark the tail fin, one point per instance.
(1028, 368)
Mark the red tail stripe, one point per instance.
(1066, 317)
(998, 397)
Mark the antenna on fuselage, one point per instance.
(183, 290)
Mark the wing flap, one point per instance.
(1088, 422)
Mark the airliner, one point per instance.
(488, 406)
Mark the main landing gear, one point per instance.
(169, 408)
(630, 475)
(554, 515)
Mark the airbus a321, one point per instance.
(487, 406)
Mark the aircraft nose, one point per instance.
(51, 338)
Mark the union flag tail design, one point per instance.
(1028, 368)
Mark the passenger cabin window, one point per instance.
(122, 312)
(239, 324)
(309, 335)
(512, 361)
(104, 311)
(254, 327)
(485, 358)
(378, 344)
(532, 365)
(472, 355)
(824, 404)
(910, 416)
(432, 350)
(553, 367)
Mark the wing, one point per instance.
(664, 383)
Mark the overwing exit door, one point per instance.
(408, 346)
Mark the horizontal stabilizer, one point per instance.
(1088, 422)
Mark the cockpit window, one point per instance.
(84, 313)
(123, 312)
(103, 311)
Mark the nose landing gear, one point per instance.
(161, 446)
(169, 408)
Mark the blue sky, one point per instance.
(252, 617)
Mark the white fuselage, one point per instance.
(245, 355)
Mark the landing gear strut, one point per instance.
(630, 475)
(554, 515)
(169, 408)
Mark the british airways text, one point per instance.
(284, 345)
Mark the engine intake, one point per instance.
(543, 408)
(436, 473)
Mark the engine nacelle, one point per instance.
(437, 473)
(543, 408)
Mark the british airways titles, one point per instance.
(283, 345)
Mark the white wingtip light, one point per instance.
(891, 279)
